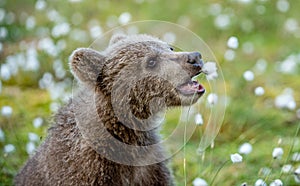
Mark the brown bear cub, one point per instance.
(108, 133)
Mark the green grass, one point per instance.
(248, 118)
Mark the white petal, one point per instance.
(277, 152)
(260, 182)
(236, 158)
(198, 119)
(9, 148)
(245, 148)
(233, 42)
(199, 182)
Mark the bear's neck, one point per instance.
(122, 124)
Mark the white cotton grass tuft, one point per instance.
(233, 42)
(236, 158)
(229, 55)
(248, 75)
(276, 182)
(287, 168)
(212, 99)
(199, 182)
(244, 184)
(33, 137)
(283, 5)
(6, 111)
(296, 157)
(198, 119)
(286, 100)
(245, 148)
(297, 175)
(222, 21)
(260, 182)
(277, 153)
(259, 91)
(2, 135)
(30, 148)
(125, 18)
(9, 148)
(260, 66)
(210, 69)
(37, 122)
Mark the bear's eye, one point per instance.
(151, 62)
(171, 48)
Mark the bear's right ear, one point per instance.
(117, 37)
(86, 64)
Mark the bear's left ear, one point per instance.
(117, 37)
(86, 64)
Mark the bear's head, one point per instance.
(140, 74)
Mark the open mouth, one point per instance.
(190, 88)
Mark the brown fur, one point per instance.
(120, 96)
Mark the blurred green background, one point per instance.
(257, 45)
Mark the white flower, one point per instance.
(198, 119)
(248, 75)
(95, 31)
(6, 111)
(296, 157)
(260, 66)
(5, 72)
(287, 168)
(260, 182)
(212, 98)
(30, 22)
(229, 55)
(37, 122)
(244, 184)
(60, 29)
(283, 5)
(259, 91)
(277, 152)
(276, 182)
(210, 69)
(245, 148)
(2, 135)
(288, 66)
(199, 182)
(233, 42)
(248, 48)
(291, 25)
(9, 148)
(297, 175)
(236, 158)
(125, 18)
(212, 76)
(30, 147)
(286, 100)
(33, 137)
(40, 5)
(222, 21)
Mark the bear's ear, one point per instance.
(86, 64)
(117, 37)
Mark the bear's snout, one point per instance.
(195, 58)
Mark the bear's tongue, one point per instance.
(192, 87)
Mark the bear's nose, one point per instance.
(195, 59)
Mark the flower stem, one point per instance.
(291, 147)
(220, 168)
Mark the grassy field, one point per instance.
(260, 64)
